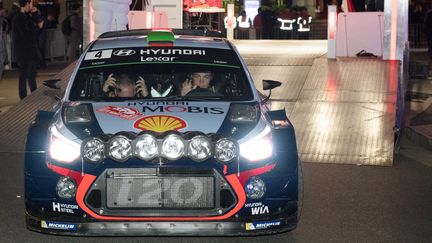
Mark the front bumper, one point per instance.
(266, 216)
(176, 228)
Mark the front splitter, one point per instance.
(133, 228)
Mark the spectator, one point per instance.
(359, 5)
(428, 28)
(50, 10)
(14, 10)
(268, 18)
(244, 24)
(287, 14)
(24, 35)
(74, 39)
(418, 18)
(379, 5)
(257, 23)
(303, 23)
(370, 6)
(42, 36)
(3, 32)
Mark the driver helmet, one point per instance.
(162, 85)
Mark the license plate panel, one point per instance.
(145, 191)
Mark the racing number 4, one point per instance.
(98, 54)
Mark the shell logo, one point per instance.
(160, 123)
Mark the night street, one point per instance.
(342, 203)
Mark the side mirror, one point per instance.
(52, 83)
(269, 85)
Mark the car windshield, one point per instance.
(151, 75)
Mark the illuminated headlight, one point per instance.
(66, 188)
(259, 147)
(120, 148)
(146, 147)
(173, 147)
(199, 148)
(225, 150)
(61, 148)
(93, 150)
(255, 188)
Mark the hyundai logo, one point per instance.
(124, 53)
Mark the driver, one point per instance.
(199, 79)
(124, 85)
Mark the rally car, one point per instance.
(173, 157)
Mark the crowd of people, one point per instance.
(267, 25)
(27, 23)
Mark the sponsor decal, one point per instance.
(157, 59)
(124, 53)
(262, 225)
(121, 112)
(64, 208)
(189, 109)
(257, 208)
(220, 62)
(184, 103)
(97, 55)
(160, 123)
(171, 51)
(98, 63)
(167, 55)
(58, 225)
(179, 108)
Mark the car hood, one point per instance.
(206, 117)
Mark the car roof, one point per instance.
(125, 39)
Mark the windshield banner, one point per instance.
(155, 55)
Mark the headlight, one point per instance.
(241, 113)
(93, 150)
(146, 147)
(76, 114)
(120, 148)
(66, 187)
(199, 148)
(255, 188)
(173, 147)
(225, 150)
(259, 147)
(62, 148)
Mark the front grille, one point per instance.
(160, 192)
(177, 192)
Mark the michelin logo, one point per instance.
(58, 225)
(262, 225)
